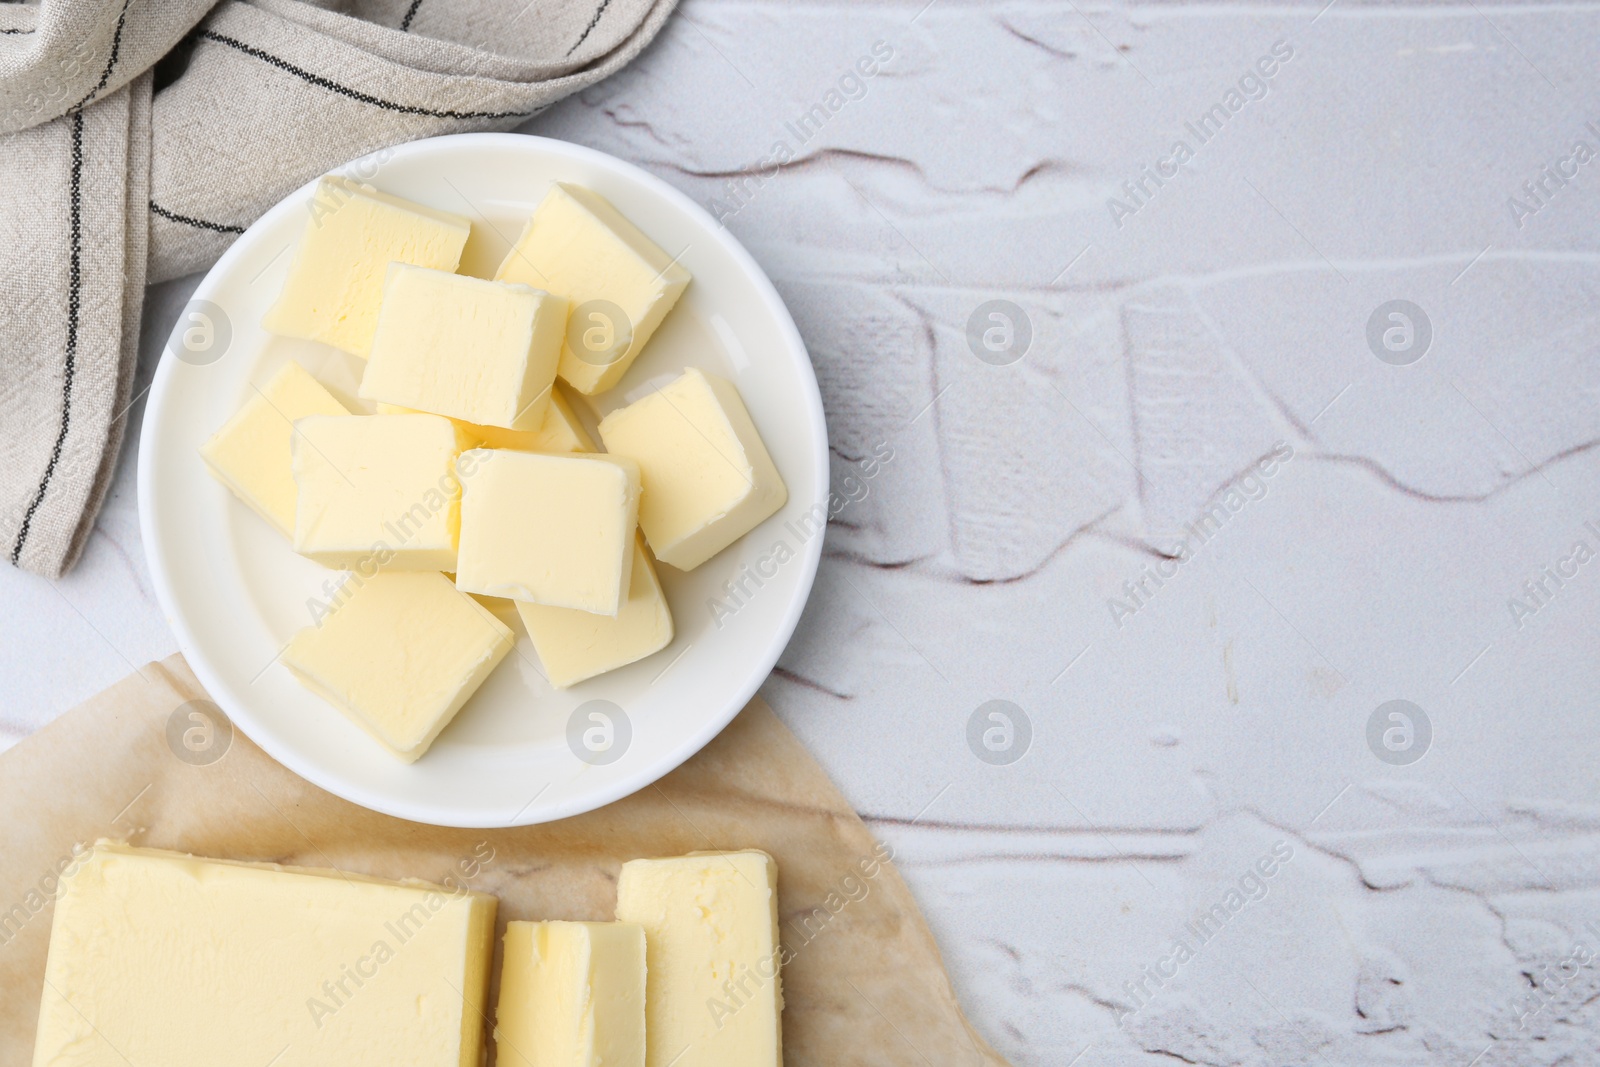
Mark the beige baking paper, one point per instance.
(865, 984)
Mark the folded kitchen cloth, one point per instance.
(138, 138)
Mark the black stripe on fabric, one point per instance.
(16, 31)
(587, 30)
(111, 61)
(202, 224)
(344, 90)
(411, 13)
(74, 297)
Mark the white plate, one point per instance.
(235, 593)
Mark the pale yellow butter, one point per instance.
(335, 281)
(378, 491)
(161, 958)
(561, 431)
(707, 478)
(575, 645)
(710, 919)
(483, 352)
(553, 530)
(400, 653)
(619, 283)
(252, 452)
(571, 995)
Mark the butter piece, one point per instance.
(560, 432)
(378, 491)
(554, 530)
(578, 246)
(571, 995)
(707, 477)
(400, 654)
(251, 453)
(575, 645)
(336, 278)
(710, 921)
(161, 958)
(483, 352)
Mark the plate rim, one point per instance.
(285, 753)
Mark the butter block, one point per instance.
(561, 431)
(335, 281)
(484, 352)
(578, 246)
(251, 454)
(553, 530)
(378, 491)
(162, 958)
(707, 477)
(713, 992)
(571, 995)
(575, 645)
(400, 654)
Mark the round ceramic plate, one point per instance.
(520, 751)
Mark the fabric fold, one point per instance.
(72, 284)
(106, 183)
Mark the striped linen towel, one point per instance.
(138, 138)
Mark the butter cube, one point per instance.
(619, 283)
(251, 454)
(707, 477)
(713, 993)
(483, 352)
(399, 655)
(575, 645)
(554, 530)
(162, 958)
(571, 995)
(378, 491)
(561, 430)
(336, 278)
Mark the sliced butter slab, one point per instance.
(553, 530)
(706, 475)
(561, 431)
(400, 654)
(161, 958)
(571, 995)
(575, 645)
(335, 281)
(619, 283)
(484, 352)
(713, 995)
(377, 491)
(252, 452)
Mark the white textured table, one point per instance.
(1195, 836)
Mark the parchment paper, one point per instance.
(864, 985)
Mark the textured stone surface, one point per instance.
(1188, 715)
